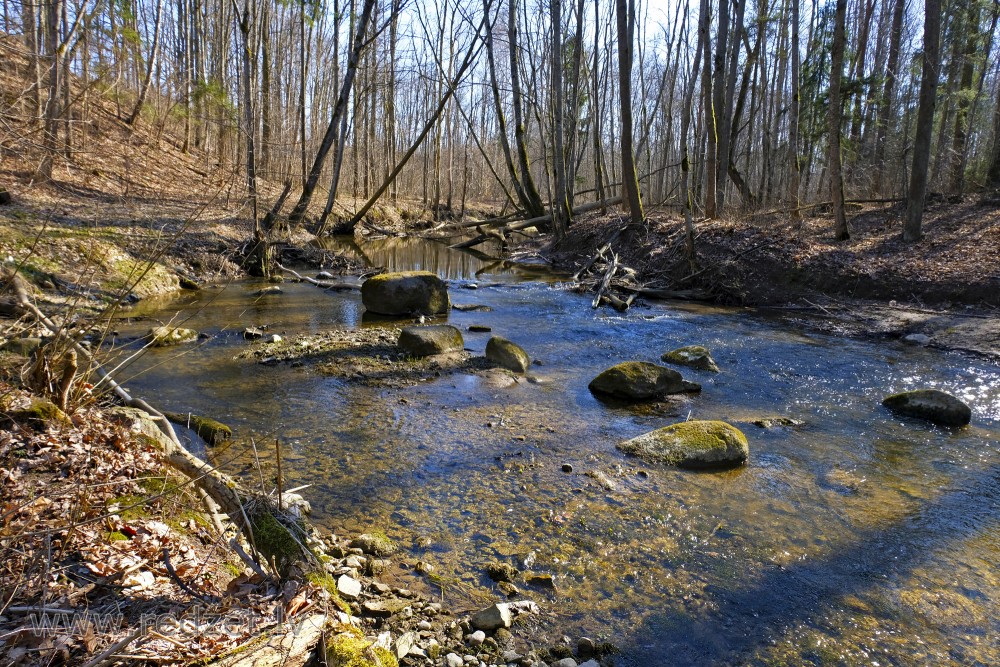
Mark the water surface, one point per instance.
(857, 538)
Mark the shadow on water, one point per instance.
(800, 599)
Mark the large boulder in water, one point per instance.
(693, 356)
(640, 381)
(691, 444)
(506, 354)
(405, 293)
(428, 340)
(931, 404)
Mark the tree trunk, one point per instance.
(841, 230)
(711, 130)
(625, 15)
(793, 118)
(520, 141)
(925, 122)
(299, 212)
(560, 198)
(147, 79)
(888, 93)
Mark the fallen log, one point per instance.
(531, 222)
(325, 284)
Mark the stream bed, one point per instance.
(855, 538)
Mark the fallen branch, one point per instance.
(319, 283)
(612, 268)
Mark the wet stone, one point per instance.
(493, 617)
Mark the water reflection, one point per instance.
(414, 254)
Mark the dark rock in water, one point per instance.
(427, 340)
(931, 404)
(507, 355)
(253, 333)
(405, 293)
(501, 571)
(917, 339)
(471, 308)
(541, 581)
(480, 328)
(273, 289)
(693, 356)
(209, 430)
(775, 422)
(691, 444)
(640, 380)
(188, 284)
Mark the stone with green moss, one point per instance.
(276, 540)
(692, 356)
(208, 429)
(691, 444)
(432, 339)
(41, 414)
(374, 544)
(640, 381)
(506, 354)
(22, 346)
(405, 293)
(934, 405)
(167, 336)
(349, 650)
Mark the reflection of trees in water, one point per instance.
(409, 254)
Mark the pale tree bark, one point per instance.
(625, 15)
(841, 230)
(596, 108)
(720, 111)
(925, 122)
(299, 212)
(685, 153)
(147, 79)
(956, 178)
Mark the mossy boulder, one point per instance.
(209, 430)
(506, 354)
(405, 293)
(167, 336)
(693, 356)
(22, 346)
(350, 650)
(933, 405)
(374, 544)
(427, 340)
(691, 444)
(41, 414)
(640, 381)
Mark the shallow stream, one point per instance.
(855, 538)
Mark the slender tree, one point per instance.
(925, 122)
(841, 230)
(625, 15)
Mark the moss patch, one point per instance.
(41, 414)
(211, 431)
(348, 650)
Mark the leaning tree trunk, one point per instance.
(925, 122)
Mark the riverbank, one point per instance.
(943, 291)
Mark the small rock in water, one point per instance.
(253, 333)
(541, 581)
(585, 648)
(324, 275)
(273, 289)
(501, 571)
(470, 286)
(567, 467)
(918, 339)
(694, 356)
(506, 354)
(275, 338)
(508, 589)
(374, 545)
(691, 444)
(931, 404)
(480, 328)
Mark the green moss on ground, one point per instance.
(348, 650)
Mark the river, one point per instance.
(855, 538)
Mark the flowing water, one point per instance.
(855, 538)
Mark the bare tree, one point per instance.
(625, 15)
(841, 230)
